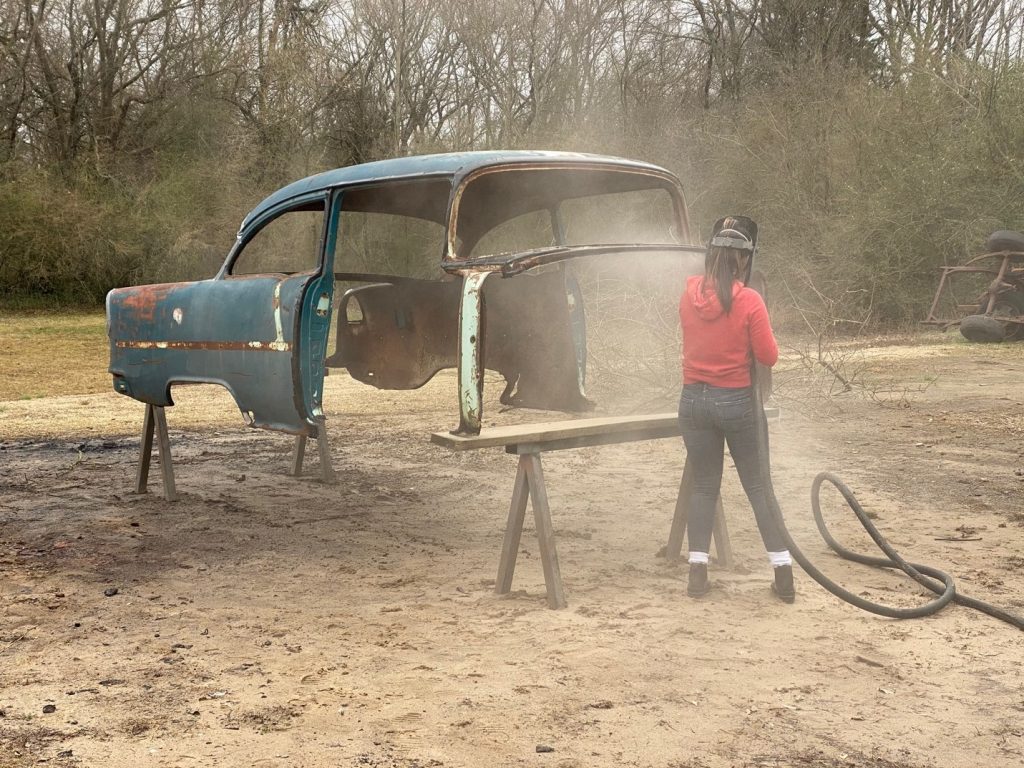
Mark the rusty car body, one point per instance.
(489, 284)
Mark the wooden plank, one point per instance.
(145, 451)
(164, 443)
(719, 531)
(327, 474)
(720, 535)
(551, 430)
(588, 431)
(545, 531)
(681, 516)
(586, 441)
(298, 455)
(513, 531)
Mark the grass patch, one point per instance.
(43, 355)
(45, 305)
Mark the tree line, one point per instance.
(874, 139)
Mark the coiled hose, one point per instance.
(939, 582)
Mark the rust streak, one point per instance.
(219, 346)
(143, 299)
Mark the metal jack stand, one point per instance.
(327, 474)
(155, 417)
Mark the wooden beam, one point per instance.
(164, 442)
(145, 451)
(571, 433)
(545, 531)
(298, 455)
(552, 430)
(327, 474)
(681, 516)
(720, 535)
(513, 531)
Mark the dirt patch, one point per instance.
(270, 621)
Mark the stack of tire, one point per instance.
(986, 326)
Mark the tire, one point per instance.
(1005, 240)
(1010, 304)
(982, 329)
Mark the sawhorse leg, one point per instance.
(719, 533)
(327, 473)
(530, 484)
(298, 455)
(155, 420)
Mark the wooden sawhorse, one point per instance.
(327, 474)
(155, 420)
(528, 441)
(155, 417)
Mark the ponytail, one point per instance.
(732, 239)
(721, 267)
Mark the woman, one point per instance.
(725, 329)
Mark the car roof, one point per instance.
(452, 165)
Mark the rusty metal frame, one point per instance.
(475, 271)
(1006, 278)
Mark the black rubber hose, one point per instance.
(932, 579)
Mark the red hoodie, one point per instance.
(718, 348)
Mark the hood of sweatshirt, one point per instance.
(704, 299)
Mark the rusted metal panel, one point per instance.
(526, 328)
(404, 332)
(262, 337)
(235, 332)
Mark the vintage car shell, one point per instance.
(264, 337)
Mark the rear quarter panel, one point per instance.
(239, 332)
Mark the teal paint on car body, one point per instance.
(315, 323)
(264, 336)
(239, 333)
(452, 165)
(471, 360)
(243, 332)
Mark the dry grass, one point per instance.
(42, 355)
(65, 356)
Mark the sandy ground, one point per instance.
(269, 621)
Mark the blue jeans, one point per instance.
(710, 417)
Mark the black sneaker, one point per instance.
(698, 585)
(783, 586)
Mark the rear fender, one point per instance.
(236, 332)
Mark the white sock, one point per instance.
(699, 557)
(778, 558)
